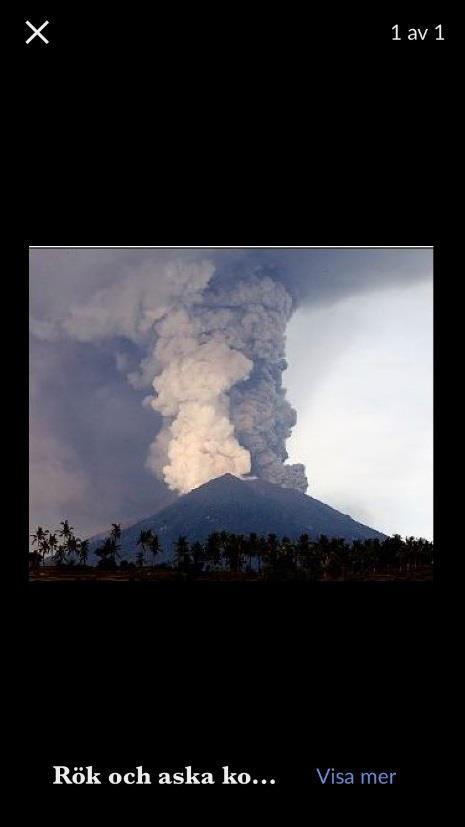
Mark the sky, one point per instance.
(360, 377)
(359, 355)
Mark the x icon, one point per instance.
(37, 31)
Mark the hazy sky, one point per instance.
(360, 376)
(359, 351)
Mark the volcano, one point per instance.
(242, 506)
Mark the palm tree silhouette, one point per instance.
(115, 534)
(45, 549)
(303, 551)
(154, 547)
(182, 552)
(66, 533)
(53, 543)
(39, 538)
(115, 530)
(60, 554)
(73, 546)
(198, 555)
(213, 548)
(271, 552)
(66, 529)
(39, 535)
(327, 557)
(251, 547)
(34, 559)
(233, 550)
(83, 552)
(145, 539)
(106, 552)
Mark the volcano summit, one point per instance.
(242, 506)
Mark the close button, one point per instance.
(37, 32)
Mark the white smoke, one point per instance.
(190, 391)
(214, 357)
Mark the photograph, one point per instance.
(230, 414)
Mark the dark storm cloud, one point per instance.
(316, 276)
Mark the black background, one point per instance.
(218, 128)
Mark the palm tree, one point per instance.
(323, 545)
(34, 559)
(53, 543)
(66, 529)
(182, 552)
(66, 533)
(427, 552)
(198, 555)
(251, 545)
(145, 539)
(411, 552)
(39, 538)
(233, 548)
(115, 531)
(271, 552)
(115, 534)
(154, 547)
(395, 548)
(213, 548)
(60, 554)
(307, 556)
(106, 552)
(73, 546)
(83, 552)
(358, 557)
(39, 535)
(341, 555)
(45, 548)
(262, 551)
(287, 551)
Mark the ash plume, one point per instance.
(214, 359)
(253, 315)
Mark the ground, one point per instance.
(55, 573)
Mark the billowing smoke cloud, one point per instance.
(252, 315)
(198, 443)
(214, 359)
(93, 431)
(217, 368)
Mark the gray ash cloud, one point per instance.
(202, 334)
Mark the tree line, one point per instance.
(265, 555)
(63, 548)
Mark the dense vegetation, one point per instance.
(265, 556)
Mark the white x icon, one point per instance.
(37, 31)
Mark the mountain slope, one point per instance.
(242, 506)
